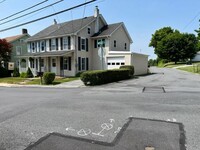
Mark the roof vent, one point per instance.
(54, 22)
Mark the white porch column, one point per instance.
(73, 41)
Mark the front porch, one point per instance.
(61, 63)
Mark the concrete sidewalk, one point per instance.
(71, 84)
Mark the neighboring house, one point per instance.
(197, 57)
(19, 46)
(79, 45)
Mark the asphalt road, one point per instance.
(27, 114)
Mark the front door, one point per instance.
(53, 65)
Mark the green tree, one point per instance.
(171, 45)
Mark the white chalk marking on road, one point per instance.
(104, 126)
(84, 132)
(70, 129)
(118, 130)
(112, 120)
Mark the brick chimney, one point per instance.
(24, 31)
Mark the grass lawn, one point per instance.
(193, 69)
(33, 81)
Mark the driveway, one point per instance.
(28, 114)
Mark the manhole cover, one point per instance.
(153, 90)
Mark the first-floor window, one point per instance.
(83, 64)
(65, 63)
(53, 62)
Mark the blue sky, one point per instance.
(141, 17)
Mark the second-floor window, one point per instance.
(53, 44)
(99, 43)
(18, 50)
(33, 46)
(65, 43)
(83, 44)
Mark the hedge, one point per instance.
(130, 68)
(4, 72)
(104, 76)
(48, 77)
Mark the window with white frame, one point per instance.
(53, 44)
(65, 43)
(100, 42)
(83, 64)
(18, 50)
(83, 44)
(33, 46)
(65, 63)
(32, 63)
(42, 45)
(89, 30)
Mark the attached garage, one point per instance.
(115, 59)
(115, 62)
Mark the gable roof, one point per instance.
(108, 30)
(65, 28)
(13, 38)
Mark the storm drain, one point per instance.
(153, 90)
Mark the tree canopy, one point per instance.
(5, 50)
(171, 45)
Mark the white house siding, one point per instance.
(121, 38)
(197, 57)
(140, 63)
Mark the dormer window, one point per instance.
(89, 30)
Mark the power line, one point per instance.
(191, 20)
(48, 16)
(24, 10)
(2, 1)
(31, 12)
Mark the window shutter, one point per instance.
(61, 63)
(79, 43)
(70, 63)
(87, 63)
(79, 63)
(95, 43)
(61, 43)
(56, 43)
(69, 42)
(87, 48)
(50, 44)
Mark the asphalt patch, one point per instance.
(136, 134)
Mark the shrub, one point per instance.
(4, 72)
(29, 73)
(23, 75)
(16, 72)
(130, 68)
(104, 76)
(79, 74)
(48, 77)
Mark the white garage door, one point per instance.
(115, 62)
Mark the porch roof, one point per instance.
(48, 54)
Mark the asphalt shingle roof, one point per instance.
(13, 38)
(69, 27)
(107, 30)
